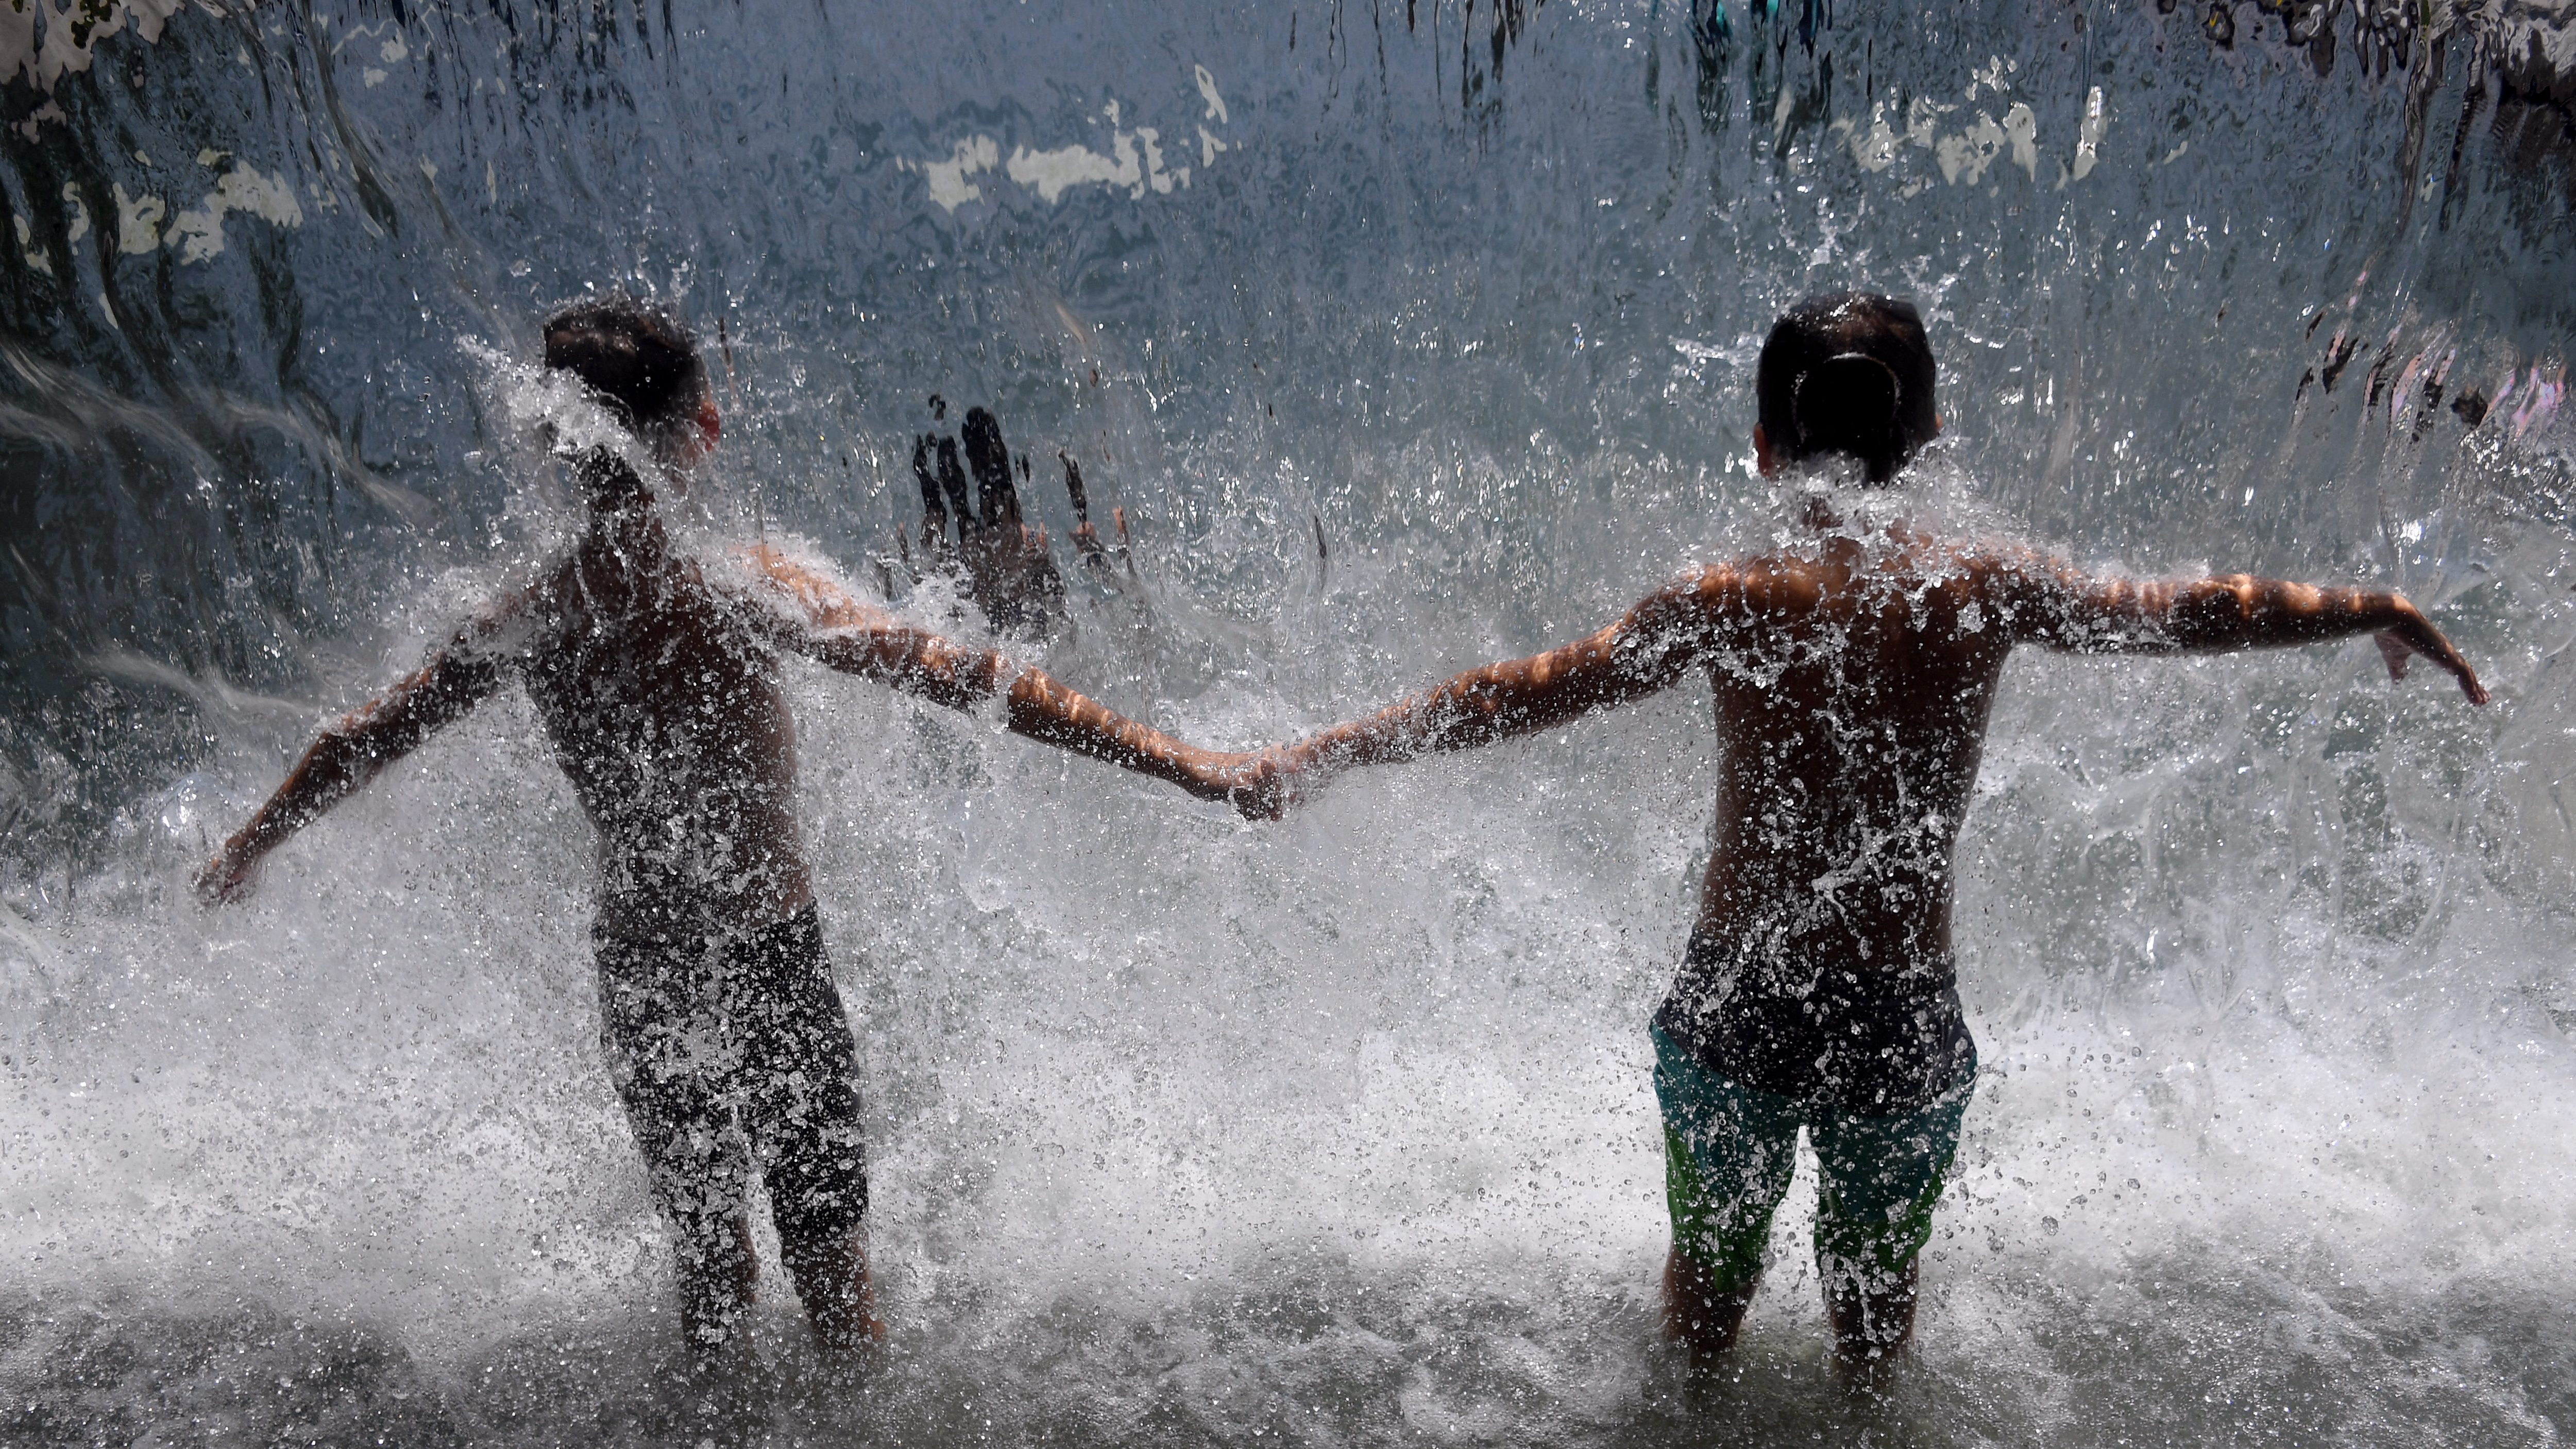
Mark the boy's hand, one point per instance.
(2418, 636)
(1015, 573)
(227, 878)
(1086, 539)
(1259, 786)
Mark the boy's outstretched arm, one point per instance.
(1647, 649)
(842, 633)
(2056, 605)
(349, 754)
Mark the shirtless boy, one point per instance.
(1854, 669)
(659, 686)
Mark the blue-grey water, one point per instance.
(1337, 1131)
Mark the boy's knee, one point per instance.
(1723, 1240)
(1868, 1257)
(819, 1218)
(1724, 1249)
(1857, 1254)
(818, 1186)
(1716, 1267)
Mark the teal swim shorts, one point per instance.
(1729, 1151)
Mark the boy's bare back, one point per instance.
(1852, 687)
(1853, 678)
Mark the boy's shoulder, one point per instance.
(813, 587)
(1760, 581)
(1799, 578)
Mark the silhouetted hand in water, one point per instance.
(1020, 565)
(1086, 539)
(1007, 565)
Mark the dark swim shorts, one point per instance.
(1877, 1068)
(1729, 1151)
(729, 1051)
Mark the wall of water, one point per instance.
(1341, 1129)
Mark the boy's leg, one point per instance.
(655, 1019)
(719, 1276)
(830, 1266)
(801, 1101)
(1882, 1176)
(1728, 1156)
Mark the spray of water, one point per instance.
(1338, 1130)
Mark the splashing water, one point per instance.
(1339, 1130)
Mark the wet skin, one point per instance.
(660, 690)
(1853, 678)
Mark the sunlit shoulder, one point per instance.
(824, 600)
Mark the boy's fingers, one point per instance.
(221, 882)
(2446, 654)
(1279, 780)
(2396, 648)
(2393, 649)
(1073, 487)
(1266, 801)
(1253, 786)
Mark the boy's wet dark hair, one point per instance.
(1848, 372)
(643, 364)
